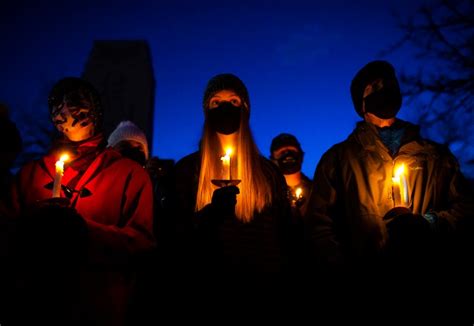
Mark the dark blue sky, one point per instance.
(296, 57)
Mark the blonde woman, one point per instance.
(228, 226)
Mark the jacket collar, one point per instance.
(367, 135)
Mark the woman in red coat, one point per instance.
(111, 194)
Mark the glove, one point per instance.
(408, 233)
(400, 219)
(224, 200)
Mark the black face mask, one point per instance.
(290, 162)
(225, 119)
(384, 103)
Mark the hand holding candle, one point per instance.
(59, 174)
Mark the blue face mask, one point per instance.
(225, 119)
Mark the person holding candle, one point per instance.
(239, 227)
(354, 215)
(287, 154)
(110, 194)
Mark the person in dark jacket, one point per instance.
(384, 192)
(10, 147)
(111, 196)
(287, 154)
(230, 201)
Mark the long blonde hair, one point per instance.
(255, 190)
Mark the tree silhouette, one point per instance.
(442, 88)
(36, 128)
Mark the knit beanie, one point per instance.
(225, 82)
(127, 130)
(369, 73)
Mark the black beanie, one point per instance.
(225, 82)
(370, 72)
(77, 89)
(283, 140)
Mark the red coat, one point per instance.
(118, 211)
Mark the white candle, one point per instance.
(59, 174)
(404, 186)
(226, 161)
(400, 186)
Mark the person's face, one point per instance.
(371, 88)
(73, 121)
(279, 152)
(376, 86)
(288, 159)
(132, 150)
(225, 96)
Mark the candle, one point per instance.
(227, 161)
(59, 174)
(400, 186)
(298, 193)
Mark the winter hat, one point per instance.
(370, 72)
(283, 140)
(225, 82)
(77, 91)
(127, 130)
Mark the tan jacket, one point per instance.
(352, 191)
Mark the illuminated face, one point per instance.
(225, 96)
(73, 121)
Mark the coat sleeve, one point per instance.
(459, 208)
(113, 243)
(325, 248)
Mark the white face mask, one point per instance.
(73, 121)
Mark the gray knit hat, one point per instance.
(127, 130)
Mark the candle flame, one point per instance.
(398, 173)
(226, 159)
(60, 163)
(299, 192)
(64, 157)
(59, 173)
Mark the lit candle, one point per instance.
(59, 174)
(226, 161)
(298, 193)
(400, 186)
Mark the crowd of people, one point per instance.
(96, 229)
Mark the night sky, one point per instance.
(296, 57)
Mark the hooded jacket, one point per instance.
(352, 191)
